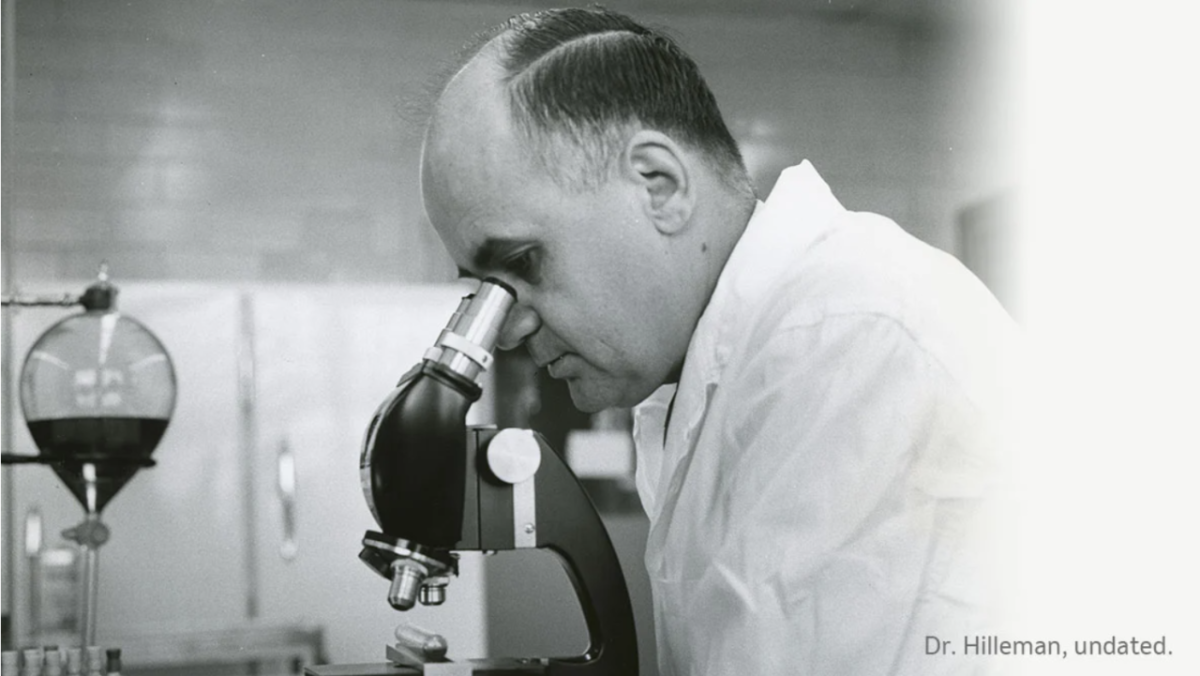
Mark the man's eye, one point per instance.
(524, 265)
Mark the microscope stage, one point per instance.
(376, 669)
(496, 666)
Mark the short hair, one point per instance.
(587, 75)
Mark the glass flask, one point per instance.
(97, 388)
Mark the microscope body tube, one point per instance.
(413, 488)
(412, 462)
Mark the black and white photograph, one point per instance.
(641, 337)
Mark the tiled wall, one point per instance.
(267, 140)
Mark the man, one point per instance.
(818, 389)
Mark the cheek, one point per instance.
(612, 314)
(598, 285)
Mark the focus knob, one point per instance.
(514, 455)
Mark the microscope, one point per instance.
(437, 487)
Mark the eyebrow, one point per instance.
(492, 254)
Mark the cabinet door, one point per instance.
(325, 359)
(175, 558)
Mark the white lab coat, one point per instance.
(819, 504)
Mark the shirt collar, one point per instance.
(795, 216)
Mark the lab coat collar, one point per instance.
(798, 212)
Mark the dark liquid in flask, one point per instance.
(70, 438)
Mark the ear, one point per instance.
(656, 164)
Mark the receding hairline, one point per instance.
(488, 56)
(477, 57)
(593, 147)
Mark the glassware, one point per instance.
(97, 388)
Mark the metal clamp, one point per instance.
(466, 348)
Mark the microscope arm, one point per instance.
(566, 523)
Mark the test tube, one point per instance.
(74, 661)
(53, 665)
(10, 660)
(34, 658)
(95, 661)
(114, 661)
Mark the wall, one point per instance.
(268, 140)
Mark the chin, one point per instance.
(588, 402)
(593, 398)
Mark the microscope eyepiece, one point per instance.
(465, 346)
(496, 282)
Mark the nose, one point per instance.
(522, 322)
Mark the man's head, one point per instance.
(581, 158)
